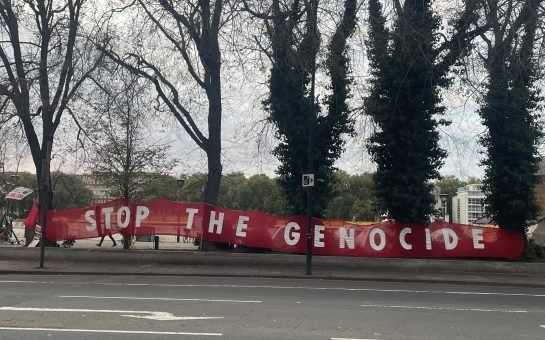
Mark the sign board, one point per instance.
(308, 180)
(19, 193)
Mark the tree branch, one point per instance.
(180, 47)
(174, 105)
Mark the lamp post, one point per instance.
(54, 186)
(180, 181)
(444, 199)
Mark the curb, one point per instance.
(462, 281)
(337, 265)
(490, 280)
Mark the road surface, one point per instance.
(131, 307)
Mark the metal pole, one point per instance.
(314, 17)
(309, 231)
(44, 183)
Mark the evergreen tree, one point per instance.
(409, 68)
(509, 113)
(292, 106)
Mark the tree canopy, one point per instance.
(409, 67)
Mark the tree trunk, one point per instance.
(213, 150)
(44, 184)
(213, 181)
(127, 239)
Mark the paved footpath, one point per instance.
(183, 258)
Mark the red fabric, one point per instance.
(30, 220)
(259, 229)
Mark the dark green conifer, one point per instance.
(293, 108)
(408, 72)
(510, 114)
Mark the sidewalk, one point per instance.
(165, 242)
(173, 258)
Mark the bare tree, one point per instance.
(124, 158)
(192, 29)
(44, 61)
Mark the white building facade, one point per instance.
(101, 192)
(468, 204)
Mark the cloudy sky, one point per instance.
(248, 140)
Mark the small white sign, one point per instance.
(19, 193)
(308, 180)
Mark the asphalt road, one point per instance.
(129, 307)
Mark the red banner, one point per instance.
(259, 229)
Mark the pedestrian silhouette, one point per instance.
(99, 244)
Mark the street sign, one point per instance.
(308, 180)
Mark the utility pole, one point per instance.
(313, 18)
(44, 200)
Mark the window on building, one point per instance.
(458, 209)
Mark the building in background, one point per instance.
(468, 204)
(540, 188)
(98, 188)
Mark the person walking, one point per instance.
(99, 244)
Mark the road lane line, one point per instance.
(71, 282)
(105, 331)
(153, 315)
(154, 298)
(278, 287)
(542, 326)
(448, 308)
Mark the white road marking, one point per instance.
(161, 316)
(542, 326)
(449, 308)
(153, 298)
(105, 331)
(277, 287)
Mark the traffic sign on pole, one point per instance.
(308, 180)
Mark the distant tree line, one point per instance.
(68, 191)
(354, 198)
